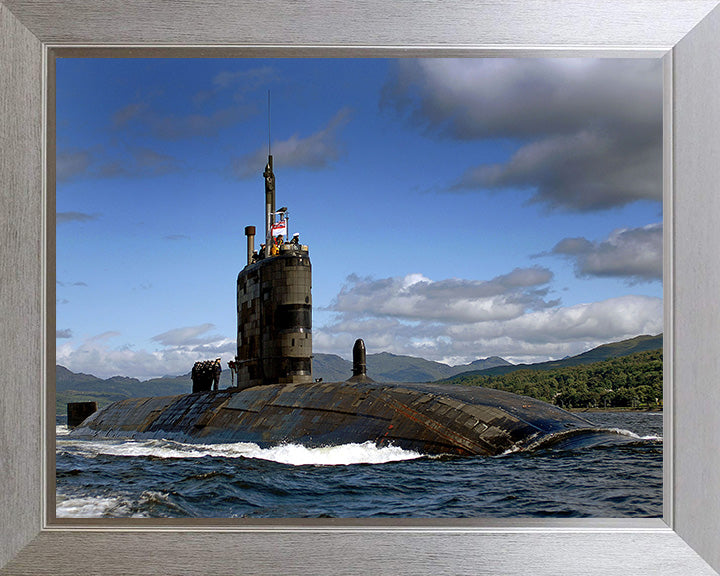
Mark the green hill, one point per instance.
(604, 352)
(634, 380)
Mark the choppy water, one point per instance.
(161, 478)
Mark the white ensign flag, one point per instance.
(279, 228)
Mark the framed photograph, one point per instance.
(457, 214)
(683, 35)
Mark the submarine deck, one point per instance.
(428, 418)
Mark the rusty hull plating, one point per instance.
(277, 401)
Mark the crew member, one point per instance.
(295, 239)
(216, 371)
(195, 376)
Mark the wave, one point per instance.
(87, 506)
(584, 438)
(92, 507)
(628, 433)
(293, 454)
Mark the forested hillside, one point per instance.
(629, 381)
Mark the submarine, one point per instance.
(275, 400)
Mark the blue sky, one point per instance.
(454, 209)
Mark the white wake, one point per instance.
(293, 454)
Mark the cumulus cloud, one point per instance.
(457, 321)
(590, 130)
(614, 318)
(631, 253)
(63, 334)
(415, 297)
(180, 348)
(315, 151)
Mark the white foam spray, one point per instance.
(92, 507)
(293, 454)
(622, 432)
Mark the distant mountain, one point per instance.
(72, 387)
(386, 367)
(485, 363)
(383, 367)
(603, 352)
(331, 367)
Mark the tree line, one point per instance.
(633, 381)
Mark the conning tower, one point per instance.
(274, 304)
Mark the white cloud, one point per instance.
(631, 253)
(415, 297)
(180, 349)
(531, 336)
(462, 320)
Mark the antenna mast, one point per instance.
(269, 192)
(269, 153)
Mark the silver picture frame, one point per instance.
(684, 33)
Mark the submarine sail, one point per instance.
(274, 306)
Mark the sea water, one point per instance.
(163, 478)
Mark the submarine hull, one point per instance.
(427, 418)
